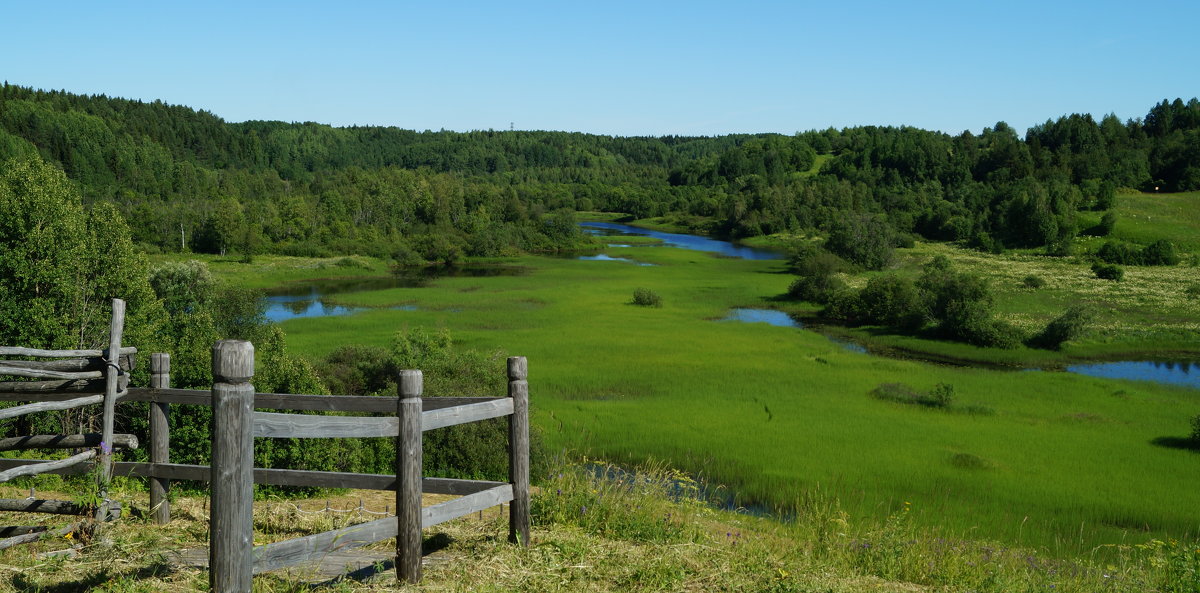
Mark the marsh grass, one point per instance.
(629, 383)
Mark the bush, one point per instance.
(941, 396)
(863, 239)
(644, 297)
(893, 301)
(1032, 281)
(1108, 272)
(1159, 253)
(1196, 428)
(1068, 326)
(1193, 291)
(818, 269)
(1107, 222)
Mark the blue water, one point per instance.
(1174, 373)
(604, 257)
(768, 316)
(695, 242)
(292, 306)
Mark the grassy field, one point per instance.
(641, 532)
(777, 416)
(1144, 218)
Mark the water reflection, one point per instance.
(682, 241)
(1175, 373)
(769, 316)
(604, 257)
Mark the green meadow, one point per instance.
(775, 417)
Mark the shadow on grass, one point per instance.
(1184, 443)
(20, 582)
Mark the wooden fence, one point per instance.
(233, 560)
(70, 379)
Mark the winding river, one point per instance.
(307, 299)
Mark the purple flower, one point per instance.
(105, 448)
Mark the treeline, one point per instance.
(187, 180)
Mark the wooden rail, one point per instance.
(71, 379)
(233, 558)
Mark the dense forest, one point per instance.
(184, 179)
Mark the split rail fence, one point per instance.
(67, 380)
(232, 557)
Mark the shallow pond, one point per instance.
(682, 241)
(307, 299)
(1175, 373)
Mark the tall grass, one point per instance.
(1062, 463)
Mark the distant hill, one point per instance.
(186, 179)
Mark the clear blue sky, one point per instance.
(616, 67)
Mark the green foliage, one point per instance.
(818, 270)
(633, 506)
(1196, 429)
(893, 301)
(1033, 281)
(941, 396)
(1107, 223)
(1064, 328)
(962, 306)
(1157, 253)
(863, 240)
(644, 297)
(1108, 271)
(1192, 291)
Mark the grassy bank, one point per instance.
(1055, 461)
(640, 532)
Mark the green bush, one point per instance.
(941, 396)
(1196, 429)
(864, 239)
(644, 297)
(893, 301)
(1068, 326)
(1108, 272)
(1032, 281)
(1193, 291)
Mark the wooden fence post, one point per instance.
(231, 529)
(112, 375)
(518, 450)
(160, 436)
(408, 477)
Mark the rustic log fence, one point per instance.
(70, 379)
(233, 560)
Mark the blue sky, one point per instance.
(615, 67)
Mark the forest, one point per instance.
(186, 180)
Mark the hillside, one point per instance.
(187, 180)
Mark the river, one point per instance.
(307, 299)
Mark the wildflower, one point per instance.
(105, 448)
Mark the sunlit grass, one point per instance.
(1061, 462)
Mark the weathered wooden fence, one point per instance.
(70, 379)
(232, 557)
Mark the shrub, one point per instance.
(1193, 291)
(1159, 253)
(863, 239)
(1107, 222)
(892, 300)
(1108, 272)
(818, 280)
(644, 297)
(1032, 281)
(1068, 326)
(1196, 428)
(940, 397)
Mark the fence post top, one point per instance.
(412, 383)
(233, 361)
(518, 368)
